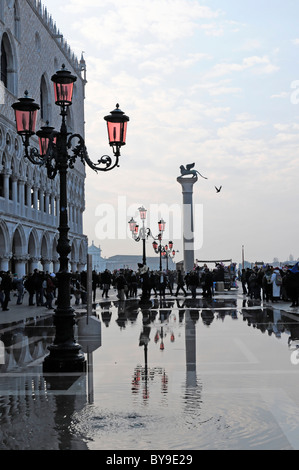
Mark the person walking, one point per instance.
(180, 284)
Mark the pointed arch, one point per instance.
(2, 10)
(45, 99)
(18, 241)
(33, 244)
(4, 238)
(45, 246)
(8, 63)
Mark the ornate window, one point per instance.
(17, 21)
(45, 106)
(3, 64)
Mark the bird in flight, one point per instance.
(218, 189)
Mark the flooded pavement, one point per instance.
(176, 374)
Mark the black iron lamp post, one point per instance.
(159, 248)
(57, 154)
(142, 233)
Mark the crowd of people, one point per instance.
(271, 284)
(265, 282)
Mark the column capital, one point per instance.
(187, 183)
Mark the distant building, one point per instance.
(131, 262)
(98, 263)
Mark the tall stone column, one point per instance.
(188, 226)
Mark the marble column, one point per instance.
(188, 226)
(20, 265)
(4, 261)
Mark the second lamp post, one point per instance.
(142, 233)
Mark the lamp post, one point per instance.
(159, 248)
(65, 353)
(142, 233)
(168, 252)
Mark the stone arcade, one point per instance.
(29, 201)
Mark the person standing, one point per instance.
(30, 288)
(6, 286)
(18, 285)
(106, 282)
(95, 283)
(120, 286)
(244, 281)
(276, 285)
(49, 291)
(193, 283)
(207, 283)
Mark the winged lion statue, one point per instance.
(190, 171)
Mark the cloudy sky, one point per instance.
(210, 82)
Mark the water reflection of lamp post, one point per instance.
(145, 374)
(144, 339)
(160, 335)
(158, 248)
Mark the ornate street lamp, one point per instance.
(57, 155)
(168, 252)
(141, 234)
(159, 249)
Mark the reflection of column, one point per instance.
(90, 337)
(190, 342)
(188, 229)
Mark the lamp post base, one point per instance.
(65, 359)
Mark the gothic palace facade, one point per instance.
(32, 50)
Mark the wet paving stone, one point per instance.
(174, 374)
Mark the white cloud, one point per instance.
(258, 64)
(196, 82)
